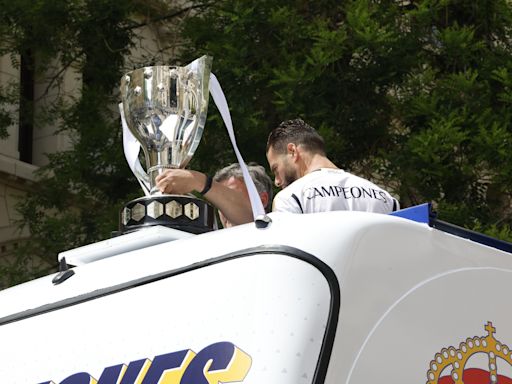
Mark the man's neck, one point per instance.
(316, 161)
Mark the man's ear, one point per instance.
(264, 199)
(294, 151)
(291, 149)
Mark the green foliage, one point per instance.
(7, 99)
(415, 94)
(454, 118)
(320, 60)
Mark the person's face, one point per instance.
(283, 167)
(237, 185)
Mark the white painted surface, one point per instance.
(407, 292)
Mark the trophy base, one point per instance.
(185, 213)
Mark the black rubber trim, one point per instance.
(327, 272)
(471, 235)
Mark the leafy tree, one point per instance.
(454, 114)
(413, 94)
(330, 62)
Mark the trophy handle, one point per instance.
(131, 147)
(142, 177)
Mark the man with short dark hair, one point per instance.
(311, 182)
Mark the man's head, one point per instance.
(286, 146)
(232, 177)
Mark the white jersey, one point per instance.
(329, 189)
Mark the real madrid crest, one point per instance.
(450, 365)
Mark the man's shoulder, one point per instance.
(287, 192)
(286, 200)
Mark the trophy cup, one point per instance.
(165, 109)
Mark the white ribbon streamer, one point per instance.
(132, 148)
(222, 105)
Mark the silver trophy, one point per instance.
(165, 109)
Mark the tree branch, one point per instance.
(170, 16)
